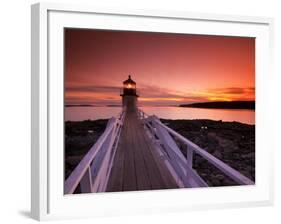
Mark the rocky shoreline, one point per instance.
(231, 142)
(79, 137)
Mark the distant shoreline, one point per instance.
(249, 105)
(90, 105)
(244, 105)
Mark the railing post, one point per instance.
(86, 182)
(189, 156)
(141, 114)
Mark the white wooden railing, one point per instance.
(179, 165)
(92, 173)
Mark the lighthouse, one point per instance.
(129, 95)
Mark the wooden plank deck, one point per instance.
(136, 165)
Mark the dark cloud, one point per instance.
(93, 88)
(232, 90)
(152, 91)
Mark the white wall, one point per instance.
(15, 109)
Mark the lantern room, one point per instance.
(129, 94)
(129, 87)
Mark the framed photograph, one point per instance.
(148, 111)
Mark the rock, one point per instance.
(217, 154)
(216, 182)
(219, 177)
(250, 155)
(246, 173)
(228, 182)
(203, 175)
(211, 149)
(211, 134)
(199, 160)
(73, 160)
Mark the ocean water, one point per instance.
(94, 113)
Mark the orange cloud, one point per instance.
(155, 95)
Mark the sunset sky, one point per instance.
(169, 69)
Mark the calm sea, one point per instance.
(93, 113)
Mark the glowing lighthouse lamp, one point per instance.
(129, 95)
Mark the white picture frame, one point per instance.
(48, 200)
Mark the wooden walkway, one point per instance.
(137, 165)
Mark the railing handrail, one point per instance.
(226, 169)
(77, 174)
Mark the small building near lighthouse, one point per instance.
(129, 95)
